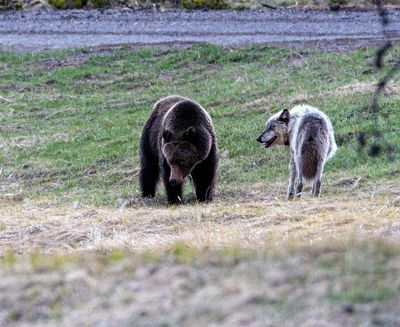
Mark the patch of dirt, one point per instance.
(77, 59)
(50, 64)
(27, 141)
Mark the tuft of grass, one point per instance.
(183, 253)
(362, 292)
(116, 255)
(9, 258)
(40, 262)
(210, 4)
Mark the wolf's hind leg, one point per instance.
(292, 172)
(299, 186)
(316, 190)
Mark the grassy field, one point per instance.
(75, 237)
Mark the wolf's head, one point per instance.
(276, 131)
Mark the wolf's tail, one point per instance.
(311, 157)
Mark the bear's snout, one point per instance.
(177, 176)
(175, 181)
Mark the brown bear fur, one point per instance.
(178, 140)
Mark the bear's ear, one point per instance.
(189, 134)
(284, 116)
(167, 135)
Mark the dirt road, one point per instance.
(32, 31)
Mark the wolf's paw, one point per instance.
(290, 196)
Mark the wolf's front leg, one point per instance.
(292, 176)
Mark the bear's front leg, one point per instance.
(204, 176)
(174, 192)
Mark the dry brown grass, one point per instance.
(392, 90)
(255, 222)
(311, 265)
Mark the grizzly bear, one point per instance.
(178, 140)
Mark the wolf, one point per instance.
(309, 134)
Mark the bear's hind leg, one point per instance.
(149, 173)
(148, 177)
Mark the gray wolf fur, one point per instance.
(309, 134)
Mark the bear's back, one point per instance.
(162, 106)
(185, 114)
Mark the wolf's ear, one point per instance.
(189, 134)
(167, 135)
(285, 116)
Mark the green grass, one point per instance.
(71, 131)
(363, 293)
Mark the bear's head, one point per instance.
(182, 153)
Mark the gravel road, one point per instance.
(39, 30)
